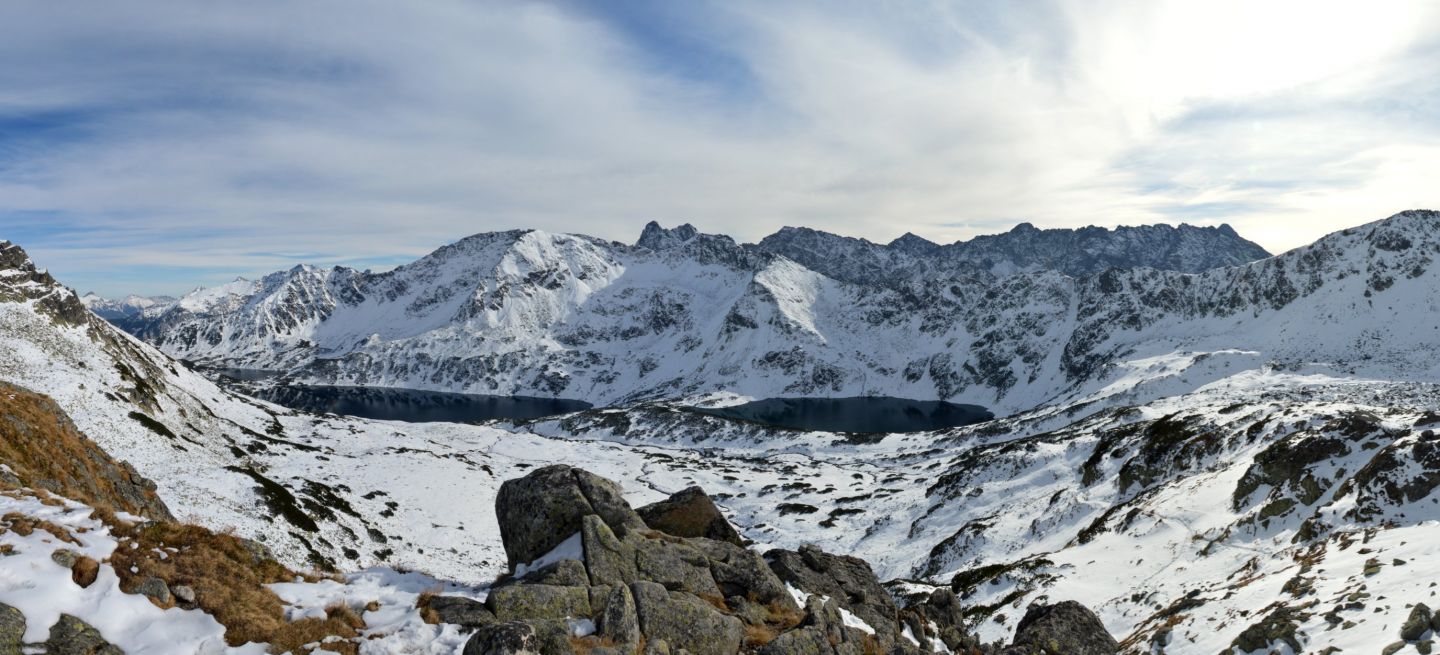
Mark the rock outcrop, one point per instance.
(1065, 628)
(593, 575)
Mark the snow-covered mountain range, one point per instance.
(1241, 459)
(1008, 321)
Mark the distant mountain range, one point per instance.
(1009, 322)
(992, 321)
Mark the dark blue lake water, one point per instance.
(411, 405)
(860, 414)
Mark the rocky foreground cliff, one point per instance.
(594, 575)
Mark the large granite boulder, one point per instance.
(608, 559)
(541, 510)
(690, 513)
(685, 621)
(538, 601)
(743, 572)
(1065, 628)
(675, 565)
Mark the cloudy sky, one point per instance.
(155, 145)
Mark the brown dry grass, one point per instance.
(40, 444)
(716, 602)
(759, 635)
(422, 603)
(778, 619)
(340, 621)
(782, 616)
(228, 583)
(25, 526)
(85, 571)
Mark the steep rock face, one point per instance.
(685, 313)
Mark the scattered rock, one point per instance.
(184, 594)
(155, 589)
(1279, 625)
(1417, 624)
(65, 557)
(71, 636)
(1393, 648)
(690, 513)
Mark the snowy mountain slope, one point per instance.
(531, 313)
(318, 490)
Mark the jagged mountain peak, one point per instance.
(655, 237)
(13, 257)
(913, 243)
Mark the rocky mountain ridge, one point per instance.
(1023, 249)
(529, 313)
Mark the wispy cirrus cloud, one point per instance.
(156, 145)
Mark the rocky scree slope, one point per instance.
(681, 312)
(591, 575)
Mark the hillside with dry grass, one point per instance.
(44, 449)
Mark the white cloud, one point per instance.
(239, 136)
